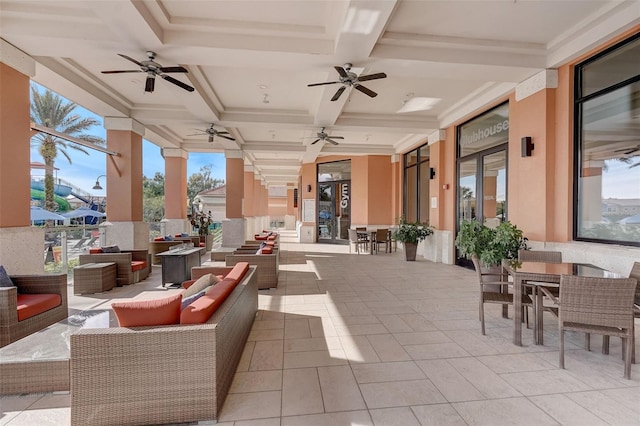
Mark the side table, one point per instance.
(94, 277)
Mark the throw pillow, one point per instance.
(5, 280)
(111, 249)
(198, 286)
(149, 312)
(186, 301)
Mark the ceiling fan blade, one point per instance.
(226, 137)
(178, 83)
(173, 69)
(131, 59)
(337, 137)
(210, 138)
(366, 91)
(341, 71)
(331, 141)
(316, 141)
(372, 76)
(338, 93)
(322, 84)
(149, 85)
(120, 71)
(222, 133)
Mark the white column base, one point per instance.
(126, 235)
(22, 250)
(175, 226)
(438, 247)
(307, 234)
(290, 222)
(233, 232)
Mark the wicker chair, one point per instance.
(494, 289)
(10, 328)
(598, 305)
(635, 273)
(125, 274)
(355, 239)
(382, 237)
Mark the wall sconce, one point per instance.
(309, 188)
(527, 146)
(432, 172)
(97, 185)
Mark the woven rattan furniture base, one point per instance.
(94, 278)
(161, 374)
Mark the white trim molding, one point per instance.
(547, 79)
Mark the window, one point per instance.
(416, 185)
(607, 174)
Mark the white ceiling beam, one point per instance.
(132, 22)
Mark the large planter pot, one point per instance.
(410, 250)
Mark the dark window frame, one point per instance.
(419, 161)
(578, 102)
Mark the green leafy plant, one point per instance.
(412, 232)
(491, 245)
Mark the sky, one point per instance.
(85, 169)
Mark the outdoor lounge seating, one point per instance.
(131, 265)
(160, 374)
(35, 302)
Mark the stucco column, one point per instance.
(233, 231)
(439, 247)
(175, 191)
(290, 217)
(249, 210)
(21, 246)
(124, 185)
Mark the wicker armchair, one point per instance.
(10, 328)
(125, 273)
(494, 290)
(598, 305)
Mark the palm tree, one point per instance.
(50, 110)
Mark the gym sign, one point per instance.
(344, 196)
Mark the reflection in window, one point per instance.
(416, 184)
(608, 174)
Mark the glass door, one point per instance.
(334, 208)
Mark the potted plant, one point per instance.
(410, 234)
(491, 245)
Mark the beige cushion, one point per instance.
(200, 284)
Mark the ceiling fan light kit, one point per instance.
(153, 69)
(350, 79)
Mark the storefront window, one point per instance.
(416, 178)
(608, 146)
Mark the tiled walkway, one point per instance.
(375, 340)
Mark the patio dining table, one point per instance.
(542, 274)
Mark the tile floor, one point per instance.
(375, 340)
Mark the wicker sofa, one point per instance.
(11, 329)
(127, 272)
(268, 265)
(161, 374)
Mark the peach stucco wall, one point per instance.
(175, 187)
(308, 175)
(291, 210)
(14, 148)
(124, 176)
(234, 187)
(248, 194)
(379, 211)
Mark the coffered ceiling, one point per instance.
(250, 62)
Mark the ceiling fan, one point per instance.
(349, 79)
(154, 69)
(212, 132)
(323, 136)
(628, 151)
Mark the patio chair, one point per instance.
(634, 273)
(494, 289)
(382, 237)
(355, 239)
(598, 305)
